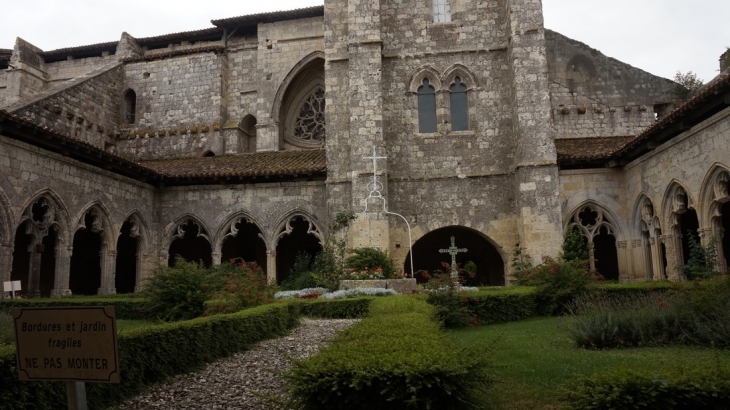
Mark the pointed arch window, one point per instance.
(459, 106)
(426, 107)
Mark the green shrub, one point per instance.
(600, 320)
(335, 308)
(702, 262)
(397, 358)
(179, 293)
(371, 259)
(575, 247)
(558, 282)
(244, 285)
(706, 390)
(301, 276)
(7, 334)
(128, 306)
(710, 320)
(459, 309)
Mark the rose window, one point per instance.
(310, 124)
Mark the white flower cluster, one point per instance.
(353, 293)
(289, 294)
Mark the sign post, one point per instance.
(11, 287)
(74, 345)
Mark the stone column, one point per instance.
(673, 245)
(271, 267)
(216, 256)
(622, 253)
(62, 274)
(539, 219)
(34, 275)
(657, 260)
(108, 268)
(6, 260)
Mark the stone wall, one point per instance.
(72, 187)
(59, 71)
(593, 95)
(85, 108)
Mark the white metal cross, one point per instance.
(453, 250)
(375, 186)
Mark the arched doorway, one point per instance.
(48, 250)
(86, 259)
(125, 278)
(689, 226)
(427, 255)
(191, 244)
(298, 236)
(244, 241)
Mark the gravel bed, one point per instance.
(230, 382)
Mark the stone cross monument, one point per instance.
(453, 250)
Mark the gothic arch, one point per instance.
(599, 227)
(645, 214)
(144, 233)
(195, 250)
(61, 216)
(131, 247)
(302, 84)
(647, 245)
(283, 227)
(715, 212)
(228, 229)
(680, 216)
(425, 72)
(101, 221)
(459, 70)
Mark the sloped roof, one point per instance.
(591, 148)
(253, 19)
(260, 164)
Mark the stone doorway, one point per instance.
(190, 245)
(245, 242)
(125, 278)
(86, 259)
(299, 239)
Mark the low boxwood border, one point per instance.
(398, 357)
(457, 309)
(707, 389)
(126, 307)
(152, 354)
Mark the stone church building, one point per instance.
(245, 139)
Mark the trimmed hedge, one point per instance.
(399, 357)
(335, 308)
(150, 355)
(125, 307)
(707, 390)
(483, 308)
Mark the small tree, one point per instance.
(702, 261)
(688, 83)
(575, 247)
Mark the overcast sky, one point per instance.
(659, 36)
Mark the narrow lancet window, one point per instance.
(441, 11)
(459, 106)
(426, 107)
(129, 107)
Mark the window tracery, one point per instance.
(441, 11)
(310, 123)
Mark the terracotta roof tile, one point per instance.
(586, 149)
(278, 163)
(251, 19)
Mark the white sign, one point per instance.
(11, 286)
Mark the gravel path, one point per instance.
(229, 382)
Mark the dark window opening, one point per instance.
(85, 276)
(290, 245)
(688, 227)
(209, 154)
(125, 272)
(459, 106)
(48, 263)
(21, 259)
(426, 108)
(191, 247)
(605, 254)
(129, 107)
(246, 245)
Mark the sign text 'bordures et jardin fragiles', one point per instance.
(67, 344)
